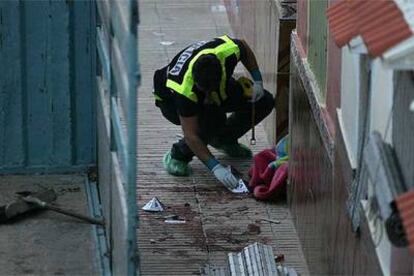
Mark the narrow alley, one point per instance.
(217, 222)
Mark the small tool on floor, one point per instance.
(44, 205)
(243, 186)
(19, 207)
(270, 220)
(30, 201)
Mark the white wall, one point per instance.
(381, 99)
(350, 101)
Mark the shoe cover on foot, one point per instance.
(174, 166)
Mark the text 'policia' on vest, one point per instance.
(179, 73)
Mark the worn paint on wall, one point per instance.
(302, 23)
(310, 185)
(352, 254)
(319, 189)
(333, 89)
(46, 85)
(283, 77)
(317, 43)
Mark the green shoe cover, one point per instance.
(174, 166)
(235, 150)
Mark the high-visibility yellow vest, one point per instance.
(180, 75)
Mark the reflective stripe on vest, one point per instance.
(221, 52)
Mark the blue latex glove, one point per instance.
(225, 176)
(258, 90)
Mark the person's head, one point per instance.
(207, 73)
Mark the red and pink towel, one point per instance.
(269, 171)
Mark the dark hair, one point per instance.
(207, 72)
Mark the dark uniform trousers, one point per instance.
(216, 127)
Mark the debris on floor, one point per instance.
(242, 185)
(253, 229)
(211, 270)
(154, 205)
(255, 259)
(270, 220)
(167, 43)
(241, 188)
(174, 219)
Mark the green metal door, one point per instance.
(47, 80)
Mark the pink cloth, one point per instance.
(266, 181)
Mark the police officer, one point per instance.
(196, 90)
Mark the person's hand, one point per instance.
(225, 176)
(258, 91)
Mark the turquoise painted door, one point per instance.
(47, 80)
(117, 83)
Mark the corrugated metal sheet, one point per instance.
(407, 8)
(46, 85)
(342, 24)
(255, 259)
(381, 24)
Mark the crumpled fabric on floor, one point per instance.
(269, 171)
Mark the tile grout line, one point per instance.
(201, 219)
